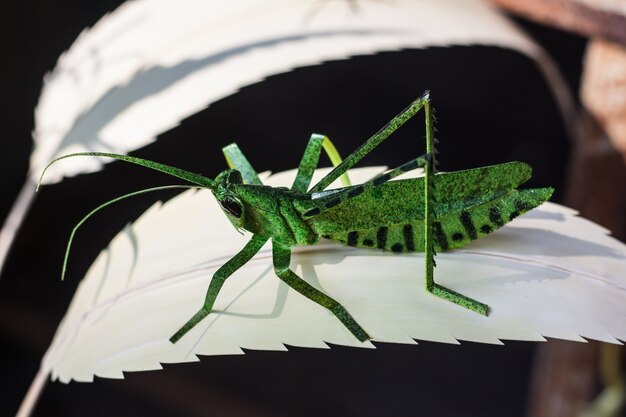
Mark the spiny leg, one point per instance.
(282, 256)
(237, 160)
(429, 190)
(220, 276)
(372, 142)
(310, 159)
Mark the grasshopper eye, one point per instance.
(233, 207)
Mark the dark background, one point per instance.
(492, 106)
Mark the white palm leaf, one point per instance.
(548, 273)
(151, 63)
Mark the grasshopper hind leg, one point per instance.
(460, 299)
(429, 225)
(237, 160)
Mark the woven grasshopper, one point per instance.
(436, 212)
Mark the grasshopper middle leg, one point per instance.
(282, 256)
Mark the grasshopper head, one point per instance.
(228, 200)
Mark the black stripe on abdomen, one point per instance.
(353, 238)
(520, 207)
(495, 217)
(381, 237)
(407, 233)
(468, 224)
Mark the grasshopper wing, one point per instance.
(468, 205)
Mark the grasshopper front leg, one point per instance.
(282, 256)
(236, 159)
(220, 276)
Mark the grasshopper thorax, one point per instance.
(227, 198)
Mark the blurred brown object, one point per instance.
(597, 177)
(591, 18)
(603, 89)
(558, 393)
(566, 374)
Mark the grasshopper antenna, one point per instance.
(198, 180)
(108, 203)
(188, 176)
